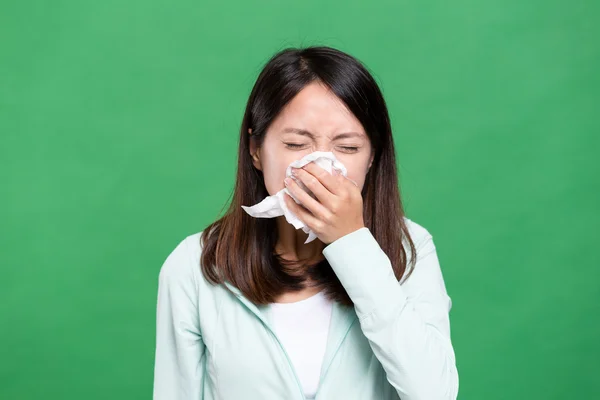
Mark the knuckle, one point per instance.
(311, 181)
(335, 207)
(318, 226)
(328, 218)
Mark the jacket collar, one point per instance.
(342, 319)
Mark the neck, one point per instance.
(290, 243)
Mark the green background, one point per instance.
(119, 124)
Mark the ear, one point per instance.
(371, 161)
(255, 154)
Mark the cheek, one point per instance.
(357, 171)
(274, 172)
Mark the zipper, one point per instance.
(255, 310)
(331, 360)
(289, 360)
(262, 318)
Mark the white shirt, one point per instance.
(302, 327)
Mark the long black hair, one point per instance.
(241, 249)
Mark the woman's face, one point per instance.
(314, 120)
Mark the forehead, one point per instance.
(317, 109)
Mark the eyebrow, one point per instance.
(304, 132)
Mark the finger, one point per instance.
(312, 205)
(327, 180)
(323, 195)
(302, 213)
(343, 178)
(348, 179)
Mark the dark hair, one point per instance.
(239, 248)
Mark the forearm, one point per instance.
(408, 332)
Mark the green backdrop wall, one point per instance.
(119, 124)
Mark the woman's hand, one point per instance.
(339, 209)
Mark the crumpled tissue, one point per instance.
(274, 206)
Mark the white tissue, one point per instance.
(274, 206)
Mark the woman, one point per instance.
(246, 310)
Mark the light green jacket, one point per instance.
(393, 343)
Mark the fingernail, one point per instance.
(287, 181)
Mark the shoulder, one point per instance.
(181, 263)
(417, 231)
(421, 237)
(427, 278)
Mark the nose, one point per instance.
(323, 146)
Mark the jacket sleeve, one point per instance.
(407, 324)
(180, 351)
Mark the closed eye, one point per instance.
(293, 145)
(347, 149)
